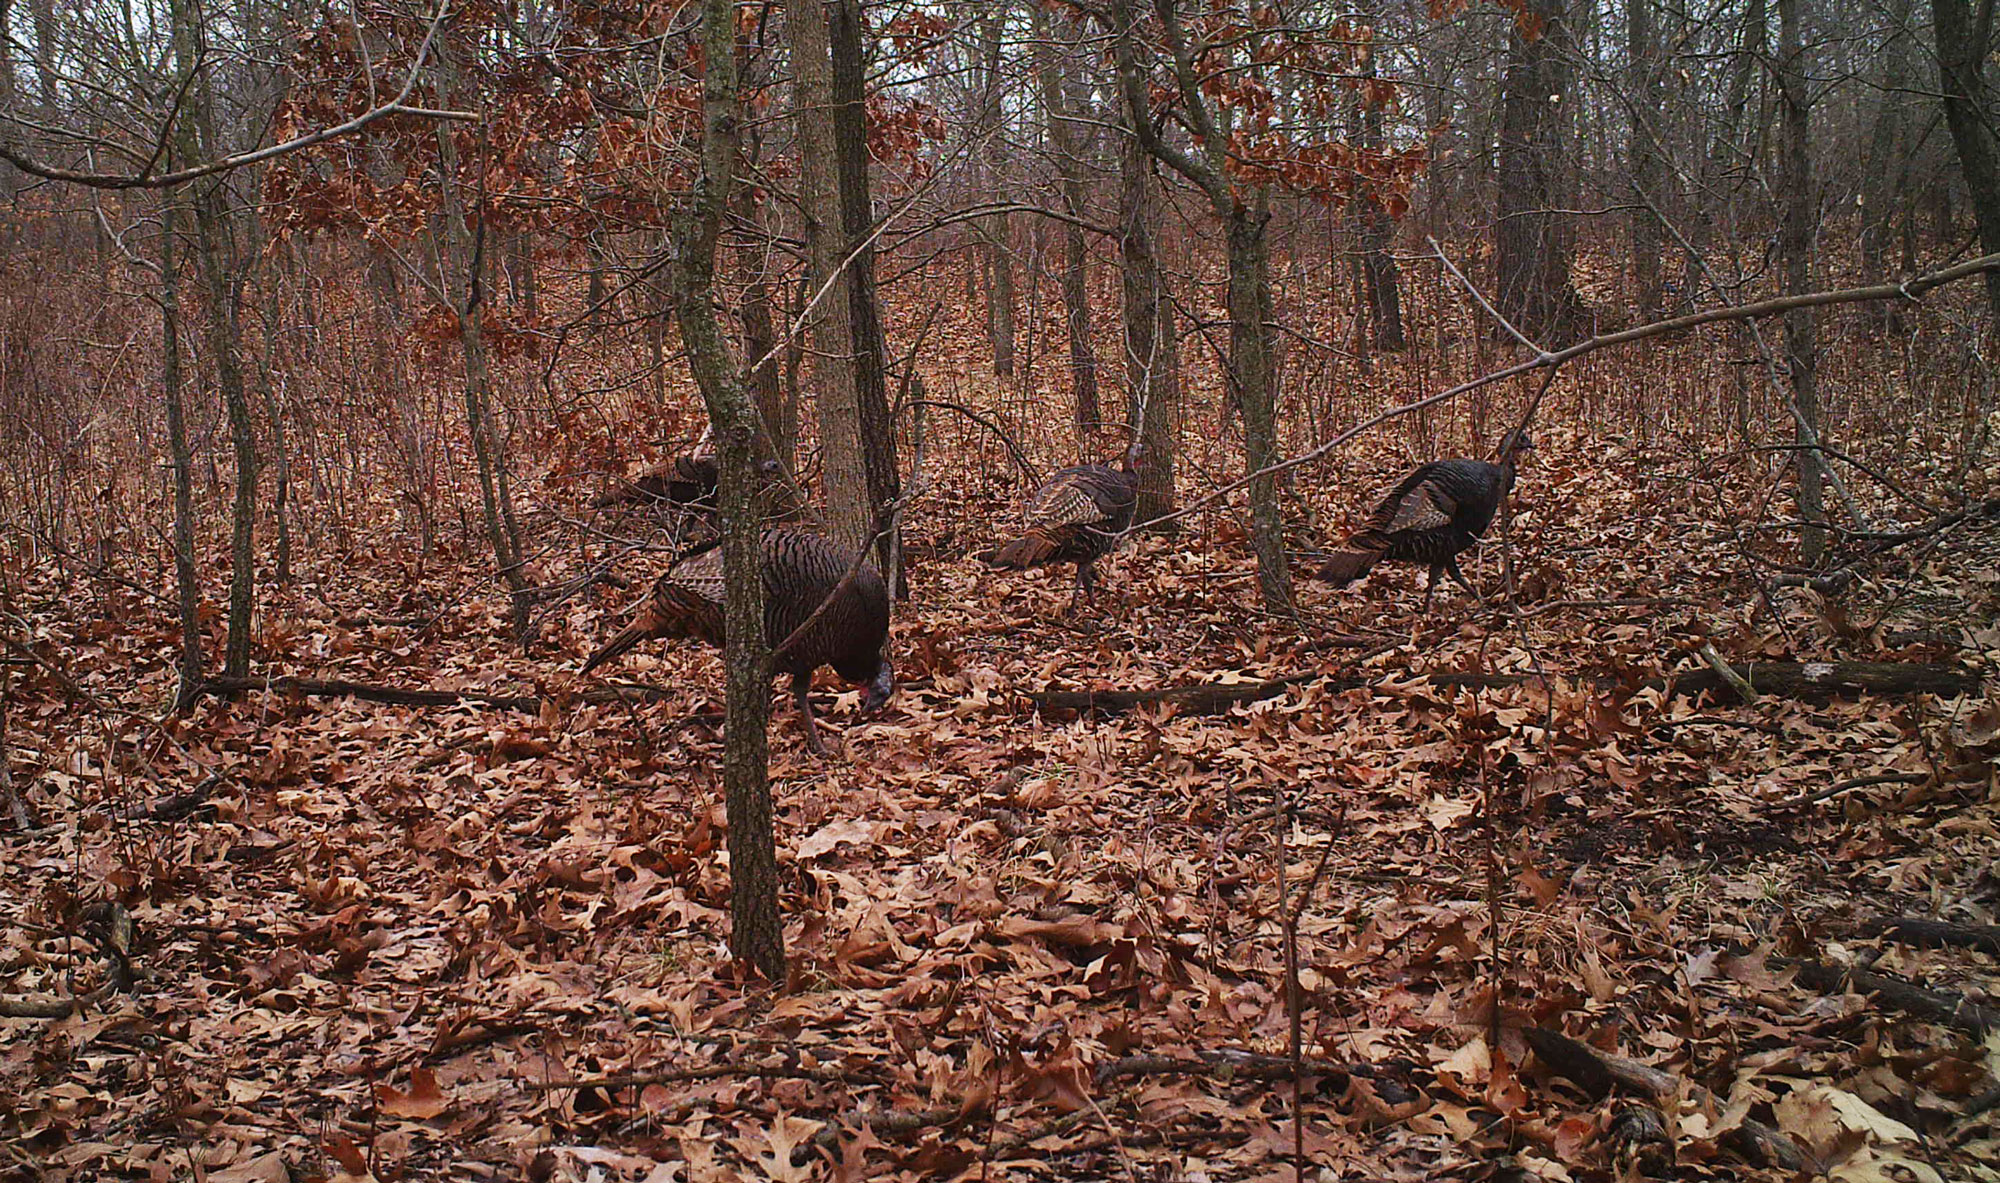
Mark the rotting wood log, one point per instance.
(1926, 933)
(1597, 1071)
(1785, 679)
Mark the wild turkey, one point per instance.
(688, 481)
(800, 571)
(1077, 516)
(1438, 511)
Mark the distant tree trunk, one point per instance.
(216, 254)
(1964, 42)
(850, 510)
(1381, 281)
(780, 415)
(756, 934)
(594, 262)
(465, 289)
(281, 492)
(871, 384)
(1643, 91)
(44, 15)
(1532, 239)
(1076, 252)
(7, 59)
(1245, 217)
(995, 232)
(1000, 293)
(1152, 361)
(1795, 244)
(187, 580)
(1886, 172)
(527, 288)
(1715, 204)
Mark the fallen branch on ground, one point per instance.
(1597, 1071)
(1939, 1006)
(400, 696)
(1925, 933)
(1782, 678)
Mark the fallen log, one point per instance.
(401, 696)
(1938, 1006)
(1597, 1071)
(1786, 679)
(1926, 933)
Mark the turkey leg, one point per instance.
(801, 684)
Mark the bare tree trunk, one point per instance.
(877, 429)
(216, 253)
(1964, 42)
(1152, 360)
(1795, 244)
(778, 414)
(1380, 280)
(1643, 93)
(995, 232)
(850, 510)
(1245, 216)
(467, 296)
(1885, 178)
(186, 578)
(1532, 238)
(1000, 298)
(1076, 253)
(756, 934)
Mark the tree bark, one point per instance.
(1885, 177)
(756, 934)
(877, 428)
(468, 253)
(1381, 281)
(186, 578)
(1152, 356)
(1643, 95)
(1071, 181)
(1795, 245)
(215, 251)
(1814, 681)
(1245, 217)
(1964, 42)
(829, 329)
(1532, 239)
(778, 414)
(995, 232)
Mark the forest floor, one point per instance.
(375, 939)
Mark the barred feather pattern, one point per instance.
(1076, 517)
(1433, 515)
(800, 570)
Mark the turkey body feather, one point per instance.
(1435, 513)
(1077, 516)
(801, 571)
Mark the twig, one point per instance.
(1907, 290)
(1737, 682)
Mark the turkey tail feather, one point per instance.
(1351, 563)
(627, 637)
(1029, 550)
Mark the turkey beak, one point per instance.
(880, 687)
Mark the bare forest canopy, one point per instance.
(400, 402)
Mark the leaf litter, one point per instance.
(1022, 946)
